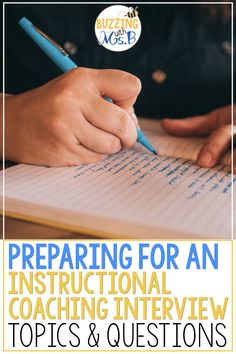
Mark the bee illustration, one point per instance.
(132, 12)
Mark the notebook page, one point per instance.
(183, 147)
(133, 187)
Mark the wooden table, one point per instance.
(18, 229)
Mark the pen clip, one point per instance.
(51, 41)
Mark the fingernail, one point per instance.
(135, 119)
(205, 159)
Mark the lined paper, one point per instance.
(133, 187)
(183, 147)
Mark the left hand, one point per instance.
(216, 125)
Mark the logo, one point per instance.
(118, 27)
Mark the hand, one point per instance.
(68, 122)
(216, 124)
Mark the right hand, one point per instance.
(67, 121)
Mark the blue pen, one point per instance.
(59, 56)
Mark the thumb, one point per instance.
(198, 125)
(133, 116)
(122, 87)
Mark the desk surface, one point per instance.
(18, 229)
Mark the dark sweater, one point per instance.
(192, 50)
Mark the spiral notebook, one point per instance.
(131, 194)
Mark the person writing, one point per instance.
(67, 122)
(64, 121)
